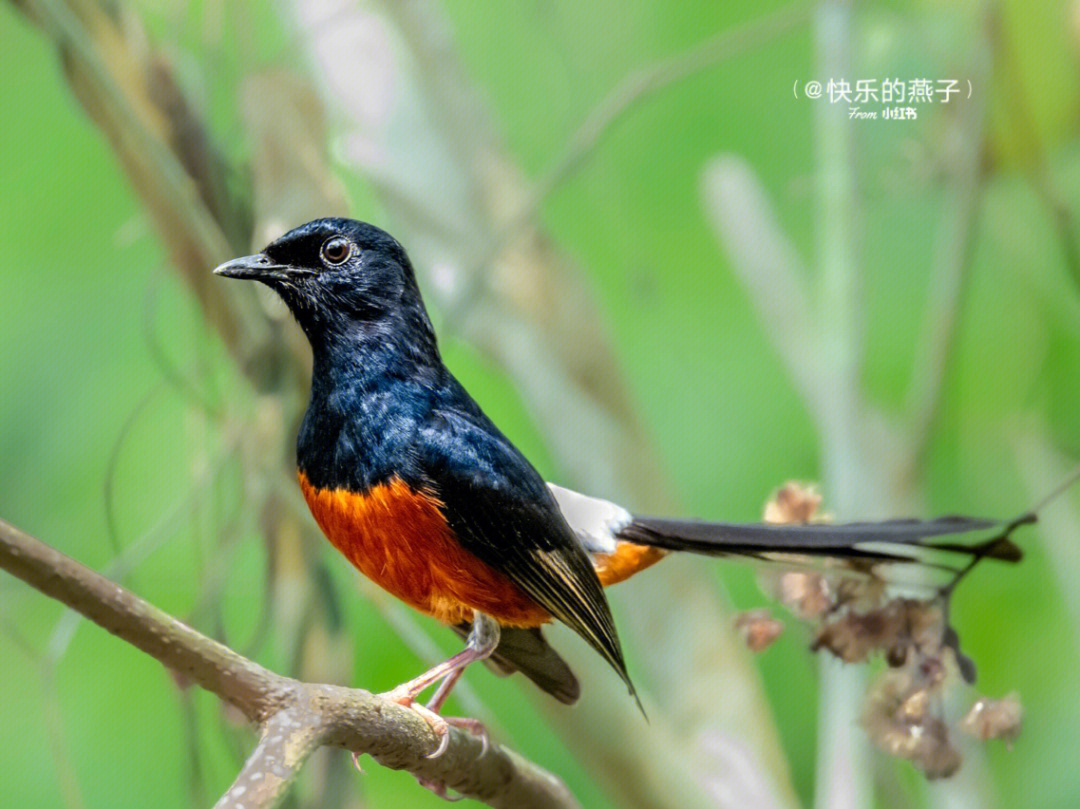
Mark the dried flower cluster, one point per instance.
(995, 719)
(794, 503)
(904, 717)
(758, 628)
(856, 616)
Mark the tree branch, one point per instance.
(295, 717)
(288, 738)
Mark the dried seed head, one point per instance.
(759, 629)
(924, 621)
(847, 637)
(915, 707)
(995, 719)
(856, 613)
(793, 503)
(861, 592)
(932, 670)
(932, 752)
(896, 627)
(897, 655)
(900, 716)
(806, 594)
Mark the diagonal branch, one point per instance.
(295, 717)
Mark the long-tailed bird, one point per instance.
(408, 478)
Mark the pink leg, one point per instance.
(474, 726)
(443, 692)
(449, 670)
(483, 639)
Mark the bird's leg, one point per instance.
(407, 692)
(483, 638)
(442, 693)
(474, 726)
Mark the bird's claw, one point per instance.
(440, 725)
(439, 789)
(473, 726)
(442, 729)
(356, 763)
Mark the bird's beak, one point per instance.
(258, 267)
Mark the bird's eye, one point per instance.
(336, 250)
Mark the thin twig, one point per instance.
(140, 549)
(138, 129)
(112, 531)
(51, 714)
(1040, 464)
(107, 69)
(769, 267)
(247, 685)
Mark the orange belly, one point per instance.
(399, 539)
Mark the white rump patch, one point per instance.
(595, 521)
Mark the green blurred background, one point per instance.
(586, 170)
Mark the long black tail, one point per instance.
(890, 540)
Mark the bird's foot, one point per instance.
(473, 726)
(440, 725)
(439, 789)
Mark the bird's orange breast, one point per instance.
(397, 537)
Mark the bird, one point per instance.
(408, 478)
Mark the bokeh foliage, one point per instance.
(96, 327)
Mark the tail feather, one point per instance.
(890, 540)
(952, 543)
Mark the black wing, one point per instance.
(501, 510)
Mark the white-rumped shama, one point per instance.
(408, 478)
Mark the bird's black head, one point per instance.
(341, 279)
